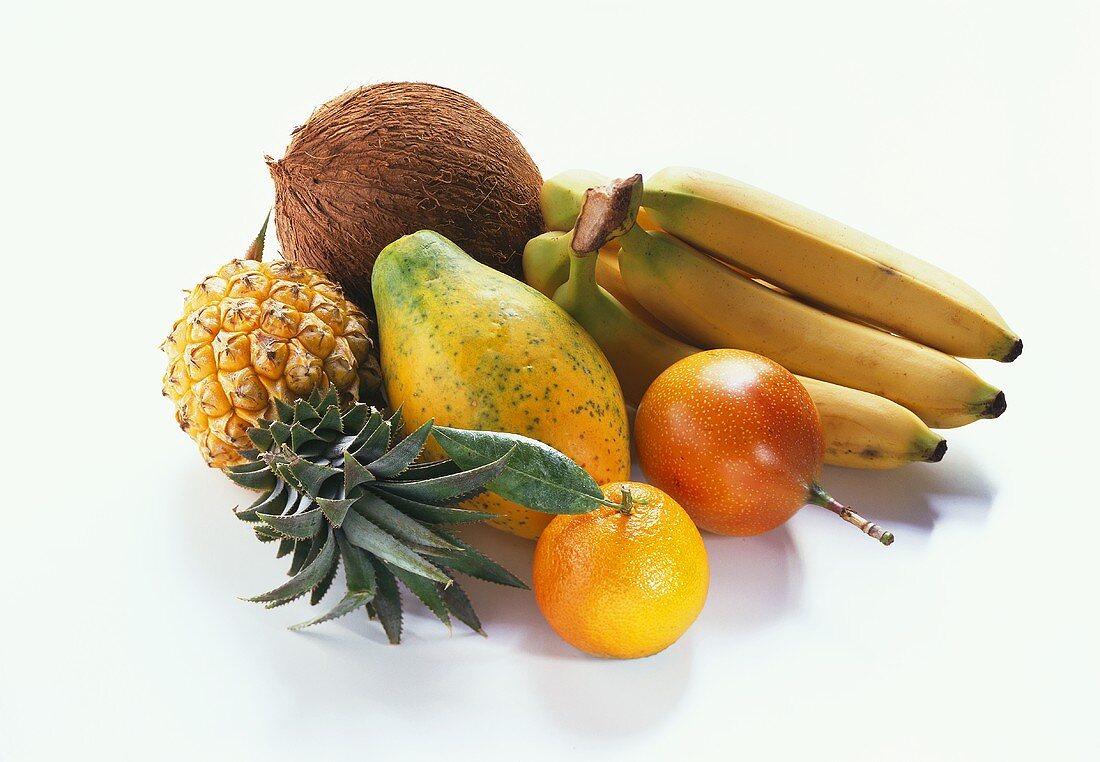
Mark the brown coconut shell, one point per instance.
(383, 161)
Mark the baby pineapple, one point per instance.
(254, 332)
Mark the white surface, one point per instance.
(133, 144)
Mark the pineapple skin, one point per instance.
(256, 331)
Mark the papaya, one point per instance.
(474, 348)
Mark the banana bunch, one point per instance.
(872, 332)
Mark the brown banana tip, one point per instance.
(1014, 351)
(937, 452)
(995, 406)
(606, 214)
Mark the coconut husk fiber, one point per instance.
(386, 160)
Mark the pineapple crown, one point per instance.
(337, 488)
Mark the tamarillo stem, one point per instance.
(818, 496)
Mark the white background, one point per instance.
(133, 139)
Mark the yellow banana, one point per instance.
(827, 263)
(864, 430)
(861, 430)
(713, 306)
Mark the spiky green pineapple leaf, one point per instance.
(286, 545)
(301, 436)
(264, 534)
(386, 604)
(327, 569)
(262, 438)
(371, 538)
(431, 469)
(355, 473)
(280, 432)
(330, 427)
(274, 501)
(399, 457)
(304, 474)
(426, 590)
(299, 525)
(374, 445)
(536, 476)
(284, 411)
(436, 514)
(314, 571)
(301, 552)
(305, 414)
(458, 603)
(363, 433)
(397, 420)
(442, 490)
(321, 588)
(330, 398)
(335, 509)
(408, 530)
(354, 418)
(357, 567)
(349, 603)
(469, 560)
(254, 475)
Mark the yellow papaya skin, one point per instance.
(473, 348)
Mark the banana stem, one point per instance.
(582, 269)
(818, 496)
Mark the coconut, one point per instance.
(386, 160)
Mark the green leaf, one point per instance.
(298, 525)
(435, 514)
(536, 476)
(335, 510)
(284, 411)
(377, 542)
(473, 562)
(273, 502)
(254, 475)
(387, 602)
(350, 603)
(357, 567)
(286, 545)
(302, 550)
(456, 601)
(305, 414)
(426, 590)
(264, 534)
(261, 438)
(430, 470)
(354, 473)
(374, 445)
(322, 587)
(300, 435)
(448, 489)
(308, 476)
(400, 456)
(397, 420)
(331, 398)
(355, 418)
(280, 432)
(369, 428)
(330, 424)
(301, 583)
(408, 530)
